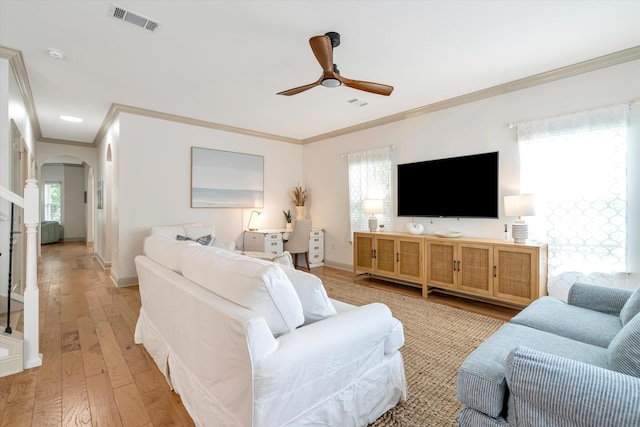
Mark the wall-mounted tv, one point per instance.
(461, 187)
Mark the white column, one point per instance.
(32, 357)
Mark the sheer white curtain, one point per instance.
(369, 178)
(575, 165)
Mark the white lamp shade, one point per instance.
(519, 205)
(373, 206)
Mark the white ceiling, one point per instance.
(224, 61)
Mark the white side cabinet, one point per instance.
(316, 247)
(263, 241)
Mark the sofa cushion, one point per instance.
(313, 296)
(228, 245)
(631, 307)
(624, 350)
(481, 380)
(164, 251)
(552, 315)
(258, 285)
(283, 258)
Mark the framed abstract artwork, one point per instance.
(224, 179)
(100, 194)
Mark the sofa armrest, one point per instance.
(346, 334)
(316, 361)
(604, 299)
(545, 389)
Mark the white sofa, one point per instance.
(248, 342)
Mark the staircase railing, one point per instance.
(30, 205)
(10, 281)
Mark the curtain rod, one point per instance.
(635, 101)
(392, 147)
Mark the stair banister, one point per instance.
(30, 204)
(32, 357)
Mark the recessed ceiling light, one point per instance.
(55, 53)
(71, 119)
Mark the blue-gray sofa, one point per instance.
(559, 364)
(50, 232)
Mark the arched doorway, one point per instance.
(75, 209)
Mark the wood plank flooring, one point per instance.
(93, 374)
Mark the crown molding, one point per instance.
(17, 63)
(66, 142)
(120, 108)
(604, 61)
(20, 72)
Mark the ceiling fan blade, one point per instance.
(377, 88)
(299, 89)
(322, 49)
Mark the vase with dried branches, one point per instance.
(300, 196)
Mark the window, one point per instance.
(369, 178)
(575, 165)
(52, 201)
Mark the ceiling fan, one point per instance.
(322, 47)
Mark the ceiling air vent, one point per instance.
(133, 18)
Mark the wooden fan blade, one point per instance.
(299, 89)
(377, 88)
(322, 49)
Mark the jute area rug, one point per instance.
(437, 340)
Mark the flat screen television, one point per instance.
(461, 187)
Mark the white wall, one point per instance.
(477, 127)
(104, 242)
(74, 214)
(47, 151)
(153, 182)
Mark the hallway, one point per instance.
(92, 372)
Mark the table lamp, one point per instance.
(373, 207)
(250, 218)
(519, 205)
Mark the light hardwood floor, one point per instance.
(93, 374)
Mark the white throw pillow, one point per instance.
(255, 284)
(171, 231)
(168, 231)
(166, 252)
(316, 304)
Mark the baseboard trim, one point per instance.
(338, 265)
(124, 282)
(105, 265)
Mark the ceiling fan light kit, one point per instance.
(330, 82)
(322, 47)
